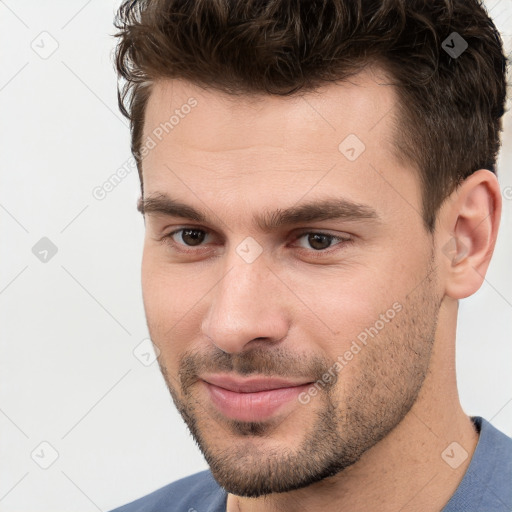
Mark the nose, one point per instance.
(246, 305)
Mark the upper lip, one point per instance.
(253, 384)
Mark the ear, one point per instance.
(466, 233)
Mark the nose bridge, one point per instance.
(242, 308)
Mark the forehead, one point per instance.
(336, 138)
(363, 105)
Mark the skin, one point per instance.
(372, 439)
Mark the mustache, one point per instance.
(274, 362)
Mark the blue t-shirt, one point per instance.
(486, 486)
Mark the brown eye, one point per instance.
(319, 242)
(314, 241)
(192, 237)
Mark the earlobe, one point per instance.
(470, 225)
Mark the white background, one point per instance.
(69, 326)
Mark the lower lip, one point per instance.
(255, 406)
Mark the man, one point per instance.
(319, 191)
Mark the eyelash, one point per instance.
(315, 253)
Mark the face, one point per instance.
(248, 287)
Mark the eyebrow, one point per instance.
(314, 211)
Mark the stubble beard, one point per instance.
(384, 383)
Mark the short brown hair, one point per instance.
(450, 106)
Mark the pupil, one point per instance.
(313, 238)
(196, 240)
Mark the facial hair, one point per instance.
(347, 417)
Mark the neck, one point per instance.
(414, 468)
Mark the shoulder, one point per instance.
(198, 492)
(486, 484)
(495, 450)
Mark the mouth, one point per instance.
(252, 399)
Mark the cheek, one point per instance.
(164, 285)
(339, 307)
(172, 304)
(330, 306)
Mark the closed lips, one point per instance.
(252, 385)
